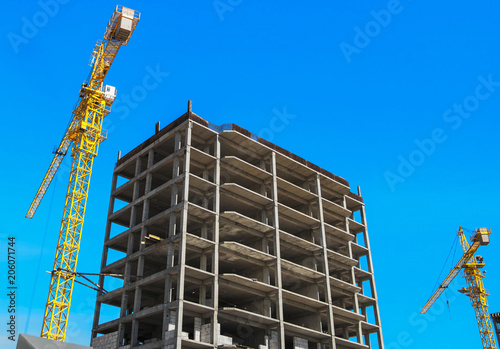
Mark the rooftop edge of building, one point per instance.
(196, 118)
(31, 342)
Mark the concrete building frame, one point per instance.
(218, 238)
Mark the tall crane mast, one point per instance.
(83, 135)
(474, 278)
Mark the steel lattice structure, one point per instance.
(83, 135)
(474, 278)
(478, 296)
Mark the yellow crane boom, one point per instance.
(83, 135)
(54, 165)
(474, 278)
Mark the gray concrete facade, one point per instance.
(218, 238)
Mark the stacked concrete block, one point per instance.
(225, 340)
(206, 333)
(273, 340)
(212, 225)
(171, 333)
(300, 343)
(197, 329)
(105, 341)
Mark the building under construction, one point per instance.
(218, 238)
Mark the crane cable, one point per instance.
(445, 294)
(40, 257)
(453, 247)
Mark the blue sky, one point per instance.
(398, 97)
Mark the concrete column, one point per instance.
(215, 258)
(367, 340)
(182, 242)
(151, 155)
(203, 288)
(97, 310)
(266, 278)
(177, 146)
(167, 297)
(352, 278)
(149, 176)
(263, 188)
(328, 290)
(277, 251)
(359, 329)
(263, 216)
(140, 270)
(137, 293)
(172, 229)
(204, 230)
(370, 269)
(263, 164)
(307, 185)
(345, 332)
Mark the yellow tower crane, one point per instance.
(83, 135)
(475, 288)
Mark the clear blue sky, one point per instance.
(399, 97)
